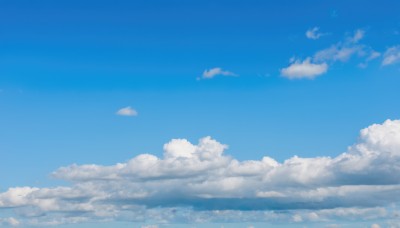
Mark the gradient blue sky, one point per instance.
(67, 67)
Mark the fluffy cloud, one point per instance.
(304, 69)
(313, 33)
(211, 73)
(127, 111)
(391, 56)
(199, 183)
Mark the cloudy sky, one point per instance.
(199, 113)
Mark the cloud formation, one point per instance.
(127, 111)
(342, 51)
(358, 35)
(304, 69)
(199, 183)
(391, 56)
(313, 33)
(10, 221)
(211, 73)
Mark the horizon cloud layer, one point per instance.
(197, 183)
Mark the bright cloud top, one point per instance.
(212, 186)
(127, 111)
(211, 73)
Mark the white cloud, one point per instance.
(9, 222)
(211, 73)
(342, 51)
(127, 111)
(313, 33)
(198, 183)
(337, 52)
(375, 225)
(149, 226)
(304, 69)
(391, 56)
(358, 35)
(373, 55)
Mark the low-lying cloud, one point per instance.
(199, 183)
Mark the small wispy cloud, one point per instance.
(341, 51)
(358, 35)
(213, 72)
(314, 33)
(304, 69)
(373, 55)
(391, 56)
(127, 111)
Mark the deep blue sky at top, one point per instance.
(66, 67)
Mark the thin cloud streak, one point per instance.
(217, 71)
(127, 111)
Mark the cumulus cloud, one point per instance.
(304, 69)
(211, 73)
(391, 56)
(313, 33)
(127, 111)
(199, 183)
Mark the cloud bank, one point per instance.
(198, 183)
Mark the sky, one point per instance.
(199, 113)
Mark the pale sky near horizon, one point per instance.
(199, 113)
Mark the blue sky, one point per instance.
(268, 78)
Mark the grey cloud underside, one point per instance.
(202, 180)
